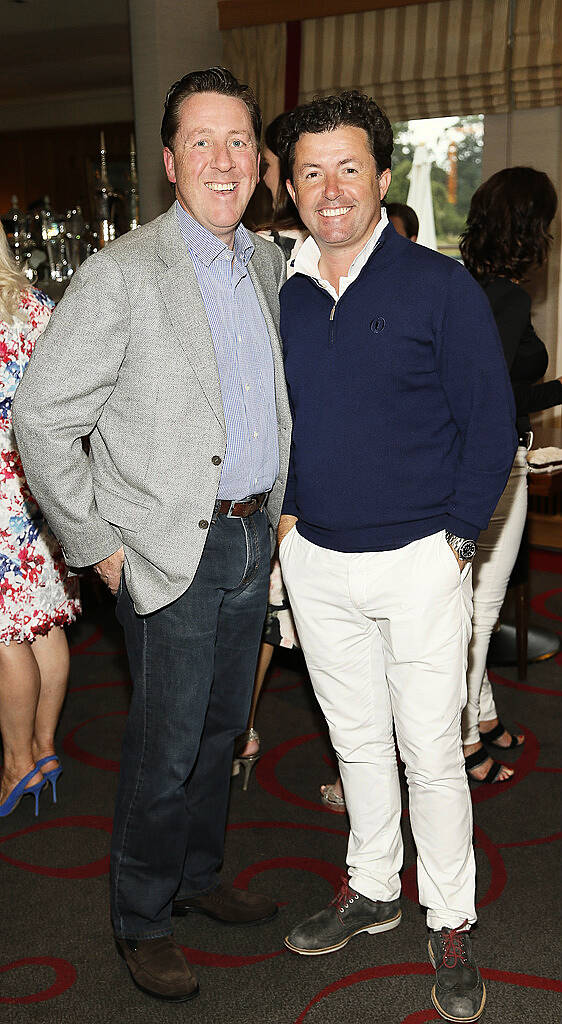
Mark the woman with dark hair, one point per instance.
(285, 227)
(507, 235)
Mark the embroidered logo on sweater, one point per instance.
(378, 324)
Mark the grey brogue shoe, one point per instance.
(348, 914)
(459, 993)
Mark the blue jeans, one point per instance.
(192, 664)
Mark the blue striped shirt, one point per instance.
(244, 358)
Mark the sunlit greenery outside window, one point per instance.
(455, 146)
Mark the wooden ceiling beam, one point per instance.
(243, 13)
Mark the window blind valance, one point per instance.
(423, 60)
(419, 61)
(536, 71)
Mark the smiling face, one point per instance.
(214, 163)
(337, 189)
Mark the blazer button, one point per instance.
(216, 460)
(203, 524)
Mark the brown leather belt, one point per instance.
(240, 509)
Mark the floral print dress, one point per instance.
(35, 591)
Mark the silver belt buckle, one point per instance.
(229, 514)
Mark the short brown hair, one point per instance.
(325, 114)
(219, 80)
(407, 215)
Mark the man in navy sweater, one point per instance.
(403, 440)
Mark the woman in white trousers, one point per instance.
(506, 236)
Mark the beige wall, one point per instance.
(167, 40)
(534, 138)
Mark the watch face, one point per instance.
(467, 550)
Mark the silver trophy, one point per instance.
(19, 238)
(132, 194)
(104, 200)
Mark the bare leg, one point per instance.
(264, 661)
(52, 656)
(337, 788)
(482, 770)
(505, 739)
(332, 795)
(20, 684)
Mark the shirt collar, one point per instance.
(206, 246)
(308, 257)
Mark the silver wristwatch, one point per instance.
(464, 548)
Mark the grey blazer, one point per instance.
(128, 359)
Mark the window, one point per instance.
(454, 146)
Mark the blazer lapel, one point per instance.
(186, 309)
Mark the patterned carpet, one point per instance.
(57, 960)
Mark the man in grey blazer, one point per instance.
(165, 351)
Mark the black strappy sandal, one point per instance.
(479, 757)
(495, 733)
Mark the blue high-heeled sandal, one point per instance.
(19, 791)
(52, 775)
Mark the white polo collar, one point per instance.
(308, 257)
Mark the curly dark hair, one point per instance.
(219, 80)
(507, 226)
(325, 114)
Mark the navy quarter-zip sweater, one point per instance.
(402, 406)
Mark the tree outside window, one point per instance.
(456, 173)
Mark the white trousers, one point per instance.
(385, 636)
(494, 560)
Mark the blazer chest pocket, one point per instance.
(120, 511)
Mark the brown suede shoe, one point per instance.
(159, 968)
(228, 905)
